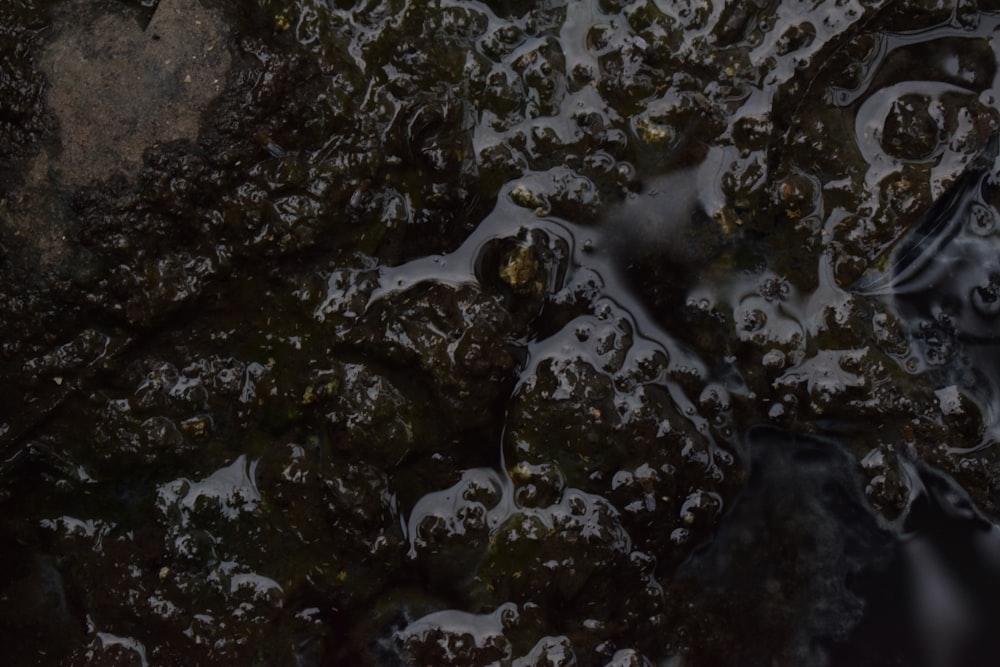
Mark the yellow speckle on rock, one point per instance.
(195, 427)
(728, 220)
(519, 473)
(522, 272)
(524, 197)
(653, 132)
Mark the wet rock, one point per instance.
(454, 637)
(456, 336)
(26, 121)
(445, 312)
(450, 530)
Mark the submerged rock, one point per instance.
(778, 579)
(803, 570)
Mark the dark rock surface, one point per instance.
(342, 333)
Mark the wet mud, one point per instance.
(468, 333)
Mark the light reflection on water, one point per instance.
(943, 260)
(539, 445)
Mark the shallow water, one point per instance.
(599, 333)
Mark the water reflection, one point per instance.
(489, 297)
(921, 589)
(942, 278)
(612, 280)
